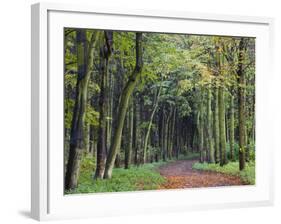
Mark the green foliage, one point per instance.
(252, 154)
(92, 116)
(70, 80)
(232, 168)
(93, 88)
(185, 85)
(236, 150)
(69, 104)
(187, 155)
(144, 125)
(250, 146)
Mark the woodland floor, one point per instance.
(184, 173)
(179, 174)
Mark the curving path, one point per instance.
(180, 174)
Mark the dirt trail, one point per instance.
(181, 175)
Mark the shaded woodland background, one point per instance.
(133, 99)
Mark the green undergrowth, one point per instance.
(232, 168)
(189, 156)
(144, 177)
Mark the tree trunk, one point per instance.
(126, 94)
(135, 132)
(150, 124)
(216, 125)
(200, 128)
(222, 127)
(221, 105)
(105, 52)
(85, 58)
(92, 140)
(209, 127)
(109, 122)
(231, 128)
(163, 135)
(128, 150)
(172, 132)
(247, 149)
(160, 133)
(166, 135)
(241, 104)
(87, 138)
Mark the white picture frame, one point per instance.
(47, 198)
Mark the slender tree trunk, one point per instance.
(85, 58)
(160, 133)
(92, 140)
(209, 129)
(87, 138)
(247, 149)
(172, 132)
(216, 125)
(222, 127)
(200, 127)
(150, 124)
(130, 123)
(163, 134)
(166, 135)
(231, 128)
(101, 141)
(110, 109)
(226, 124)
(105, 53)
(126, 94)
(136, 132)
(241, 104)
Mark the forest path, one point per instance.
(179, 174)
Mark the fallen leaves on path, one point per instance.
(181, 175)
